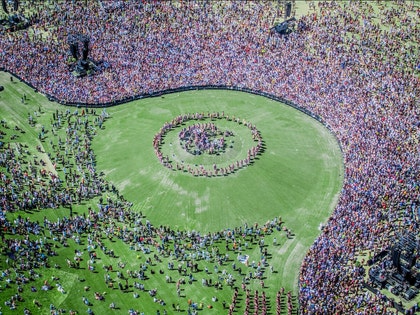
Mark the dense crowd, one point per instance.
(31, 179)
(355, 73)
(199, 138)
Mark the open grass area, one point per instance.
(297, 177)
(301, 162)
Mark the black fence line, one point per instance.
(183, 89)
(399, 307)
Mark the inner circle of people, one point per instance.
(205, 137)
(201, 138)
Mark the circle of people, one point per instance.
(195, 139)
(199, 138)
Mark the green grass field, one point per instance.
(297, 177)
(301, 163)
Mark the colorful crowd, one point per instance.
(353, 64)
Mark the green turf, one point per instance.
(301, 163)
(297, 177)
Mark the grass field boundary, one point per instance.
(74, 289)
(183, 89)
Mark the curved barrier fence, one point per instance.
(182, 89)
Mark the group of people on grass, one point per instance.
(199, 138)
(32, 245)
(353, 64)
(31, 180)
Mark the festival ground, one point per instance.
(302, 162)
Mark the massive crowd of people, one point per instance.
(353, 64)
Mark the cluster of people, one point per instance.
(203, 138)
(353, 65)
(31, 179)
(199, 138)
(260, 303)
(31, 245)
(19, 177)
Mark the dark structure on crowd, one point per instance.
(288, 8)
(15, 6)
(73, 42)
(13, 21)
(398, 269)
(284, 28)
(80, 66)
(406, 260)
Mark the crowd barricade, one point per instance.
(184, 89)
(399, 307)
